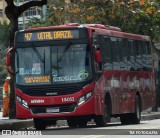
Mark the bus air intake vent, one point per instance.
(49, 90)
(44, 109)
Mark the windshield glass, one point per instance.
(33, 65)
(53, 64)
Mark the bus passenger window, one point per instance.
(123, 54)
(149, 57)
(131, 59)
(105, 45)
(115, 53)
(137, 55)
(144, 55)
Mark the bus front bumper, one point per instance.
(86, 108)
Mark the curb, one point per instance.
(15, 124)
(151, 116)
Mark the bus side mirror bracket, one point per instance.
(98, 58)
(8, 60)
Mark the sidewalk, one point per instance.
(6, 123)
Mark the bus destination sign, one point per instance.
(50, 35)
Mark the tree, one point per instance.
(4, 43)
(4, 29)
(133, 16)
(13, 12)
(2, 66)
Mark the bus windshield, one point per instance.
(53, 64)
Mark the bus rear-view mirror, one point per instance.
(98, 56)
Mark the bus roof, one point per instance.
(98, 28)
(69, 25)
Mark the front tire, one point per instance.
(82, 123)
(101, 120)
(39, 124)
(72, 123)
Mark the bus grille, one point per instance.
(61, 108)
(49, 90)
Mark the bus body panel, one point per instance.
(131, 82)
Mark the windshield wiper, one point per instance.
(17, 66)
(64, 52)
(39, 56)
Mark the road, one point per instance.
(149, 129)
(111, 129)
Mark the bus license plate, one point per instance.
(52, 110)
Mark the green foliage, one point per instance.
(4, 43)
(4, 37)
(3, 71)
(141, 18)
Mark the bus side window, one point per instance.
(137, 55)
(96, 43)
(123, 54)
(149, 57)
(131, 59)
(144, 55)
(115, 53)
(105, 46)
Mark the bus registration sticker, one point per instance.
(52, 110)
(83, 74)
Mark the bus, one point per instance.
(82, 72)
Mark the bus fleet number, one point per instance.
(68, 99)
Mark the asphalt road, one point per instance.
(152, 127)
(146, 129)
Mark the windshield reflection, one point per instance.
(53, 64)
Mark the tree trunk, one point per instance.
(13, 29)
(13, 12)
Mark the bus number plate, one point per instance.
(52, 110)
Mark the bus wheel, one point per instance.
(136, 117)
(101, 120)
(72, 123)
(82, 123)
(125, 119)
(39, 124)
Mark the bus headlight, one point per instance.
(84, 98)
(22, 102)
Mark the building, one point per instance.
(33, 12)
(2, 12)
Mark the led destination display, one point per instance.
(49, 35)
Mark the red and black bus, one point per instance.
(81, 72)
